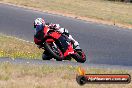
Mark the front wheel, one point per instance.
(79, 56)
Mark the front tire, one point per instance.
(78, 58)
(81, 54)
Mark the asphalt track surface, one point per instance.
(103, 44)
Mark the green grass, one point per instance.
(15, 48)
(115, 12)
(44, 76)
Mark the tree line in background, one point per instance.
(122, 0)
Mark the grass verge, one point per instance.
(108, 12)
(16, 48)
(33, 76)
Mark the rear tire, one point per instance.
(45, 56)
(53, 54)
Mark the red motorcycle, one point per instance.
(60, 47)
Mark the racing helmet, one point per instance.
(39, 24)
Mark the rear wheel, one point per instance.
(46, 56)
(54, 52)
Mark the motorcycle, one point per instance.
(60, 47)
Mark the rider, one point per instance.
(39, 25)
